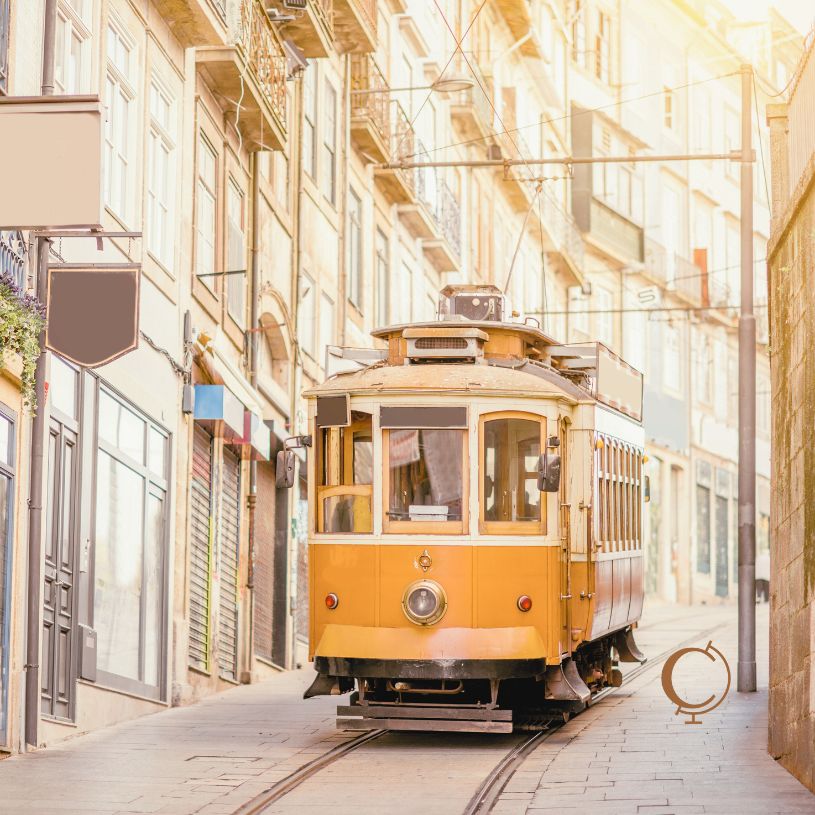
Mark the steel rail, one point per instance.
(487, 795)
(295, 779)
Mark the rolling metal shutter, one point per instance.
(200, 549)
(262, 623)
(228, 599)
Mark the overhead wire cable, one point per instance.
(761, 144)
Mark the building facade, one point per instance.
(792, 581)
(247, 142)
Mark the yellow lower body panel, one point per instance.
(364, 642)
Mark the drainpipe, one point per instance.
(38, 429)
(252, 355)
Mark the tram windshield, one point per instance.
(425, 477)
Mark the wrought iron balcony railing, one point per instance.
(374, 102)
(563, 228)
(264, 54)
(402, 141)
(13, 254)
(448, 214)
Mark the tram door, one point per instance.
(565, 537)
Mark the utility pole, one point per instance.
(746, 673)
(38, 426)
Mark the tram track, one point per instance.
(491, 788)
(487, 795)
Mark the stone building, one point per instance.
(790, 257)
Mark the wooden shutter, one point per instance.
(228, 599)
(200, 549)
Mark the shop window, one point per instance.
(511, 445)
(345, 477)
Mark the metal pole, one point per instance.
(38, 428)
(746, 674)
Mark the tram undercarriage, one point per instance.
(494, 696)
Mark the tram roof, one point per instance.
(524, 378)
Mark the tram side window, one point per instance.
(511, 447)
(345, 477)
(425, 479)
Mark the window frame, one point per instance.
(73, 22)
(355, 248)
(236, 283)
(160, 137)
(328, 144)
(207, 278)
(486, 527)
(462, 527)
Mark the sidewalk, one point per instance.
(631, 754)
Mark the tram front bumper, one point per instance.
(430, 653)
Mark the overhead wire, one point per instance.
(761, 142)
(565, 116)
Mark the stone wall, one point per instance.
(791, 267)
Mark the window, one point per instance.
(71, 46)
(382, 279)
(326, 326)
(205, 216)
(671, 359)
(329, 161)
(7, 458)
(345, 476)
(703, 369)
(161, 176)
(605, 317)
(310, 120)
(355, 283)
(618, 523)
(424, 480)
(5, 19)
(236, 253)
(668, 111)
(130, 548)
(703, 528)
(579, 310)
(602, 48)
(307, 315)
(120, 98)
(578, 18)
(511, 445)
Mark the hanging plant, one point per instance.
(22, 318)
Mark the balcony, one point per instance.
(689, 281)
(470, 108)
(518, 16)
(564, 234)
(252, 67)
(621, 236)
(398, 186)
(195, 22)
(312, 30)
(444, 251)
(355, 25)
(370, 102)
(13, 254)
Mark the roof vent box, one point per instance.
(476, 303)
(427, 344)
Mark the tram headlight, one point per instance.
(424, 602)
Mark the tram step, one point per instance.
(448, 725)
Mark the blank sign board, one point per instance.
(53, 173)
(93, 312)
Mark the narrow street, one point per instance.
(627, 754)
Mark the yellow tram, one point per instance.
(475, 530)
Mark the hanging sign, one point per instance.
(92, 311)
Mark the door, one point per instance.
(721, 546)
(200, 549)
(58, 634)
(228, 594)
(564, 519)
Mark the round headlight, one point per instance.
(424, 602)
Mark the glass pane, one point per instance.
(62, 387)
(426, 481)
(121, 427)
(117, 596)
(511, 453)
(6, 453)
(156, 453)
(153, 589)
(347, 513)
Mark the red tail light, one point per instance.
(524, 602)
(331, 601)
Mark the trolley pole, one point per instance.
(746, 674)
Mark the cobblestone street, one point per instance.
(628, 754)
